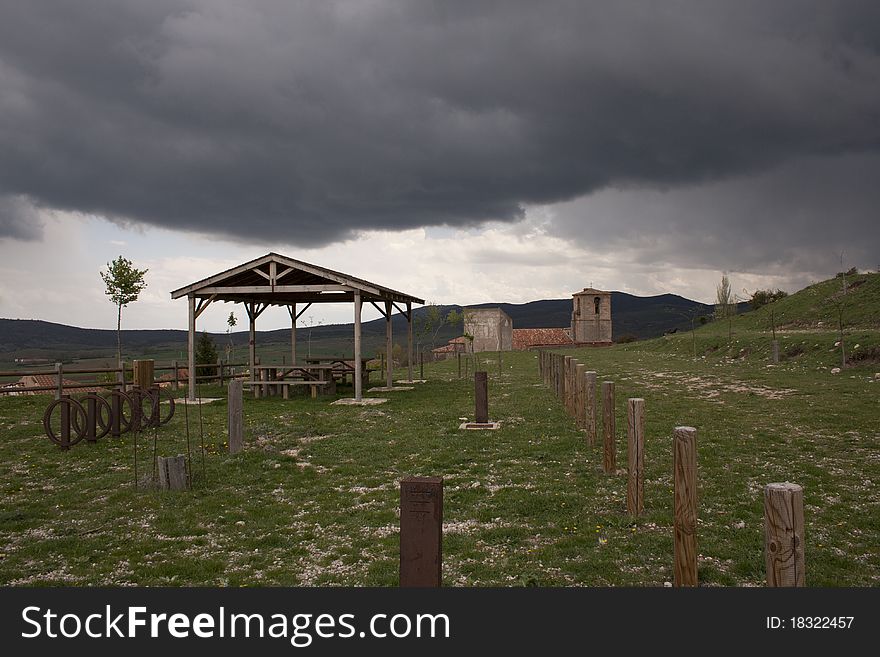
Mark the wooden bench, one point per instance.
(285, 385)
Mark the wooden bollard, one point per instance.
(590, 406)
(172, 472)
(635, 492)
(235, 412)
(580, 396)
(142, 373)
(609, 425)
(684, 465)
(421, 531)
(481, 397)
(775, 351)
(784, 534)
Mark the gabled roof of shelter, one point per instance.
(275, 279)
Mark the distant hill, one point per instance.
(642, 317)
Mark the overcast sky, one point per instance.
(460, 151)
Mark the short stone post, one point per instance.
(590, 406)
(421, 531)
(235, 419)
(784, 534)
(684, 519)
(635, 492)
(609, 425)
(481, 397)
(775, 349)
(172, 472)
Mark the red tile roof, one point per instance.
(538, 337)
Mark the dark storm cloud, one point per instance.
(303, 122)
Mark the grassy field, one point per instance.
(312, 499)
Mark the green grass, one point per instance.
(312, 500)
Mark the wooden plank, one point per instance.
(684, 519)
(784, 534)
(635, 491)
(277, 289)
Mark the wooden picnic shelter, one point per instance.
(276, 280)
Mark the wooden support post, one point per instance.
(59, 382)
(684, 519)
(358, 366)
(235, 416)
(784, 534)
(775, 350)
(292, 310)
(252, 345)
(481, 397)
(191, 350)
(609, 454)
(635, 491)
(421, 531)
(172, 472)
(590, 406)
(409, 339)
(389, 345)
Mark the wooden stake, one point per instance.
(635, 492)
(590, 406)
(784, 534)
(609, 456)
(235, 420)
(580, 396)
(172, 472)
(684, 459)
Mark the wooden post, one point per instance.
(389, 345)
(65, 423)
(458, 354)
(191, 349)
(481, 397)
(422, 365)
(635, 491)
(421, 531)
(172, 472)
(580, 396)
(220, 371)
(59, 378)
(567, 398)
(176, 377)
(609, 453)
(236, 422)
(143, 373)
(292, 310)
(409, 339)
(775, 349)
(358, 381)
(590, 406)
(684, 519)
(784, 534)
(264, 389)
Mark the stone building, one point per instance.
(491, 328)
(591, 316)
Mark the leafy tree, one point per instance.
(761, 298)
(230, 348)
(431, 320)
(124, 284)
(206, 354)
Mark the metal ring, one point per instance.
(47, 422)
(99, 417)
(170, 398)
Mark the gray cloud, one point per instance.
(304, 122)
(19, 219)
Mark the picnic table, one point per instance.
(342, 366)
(270, 379)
